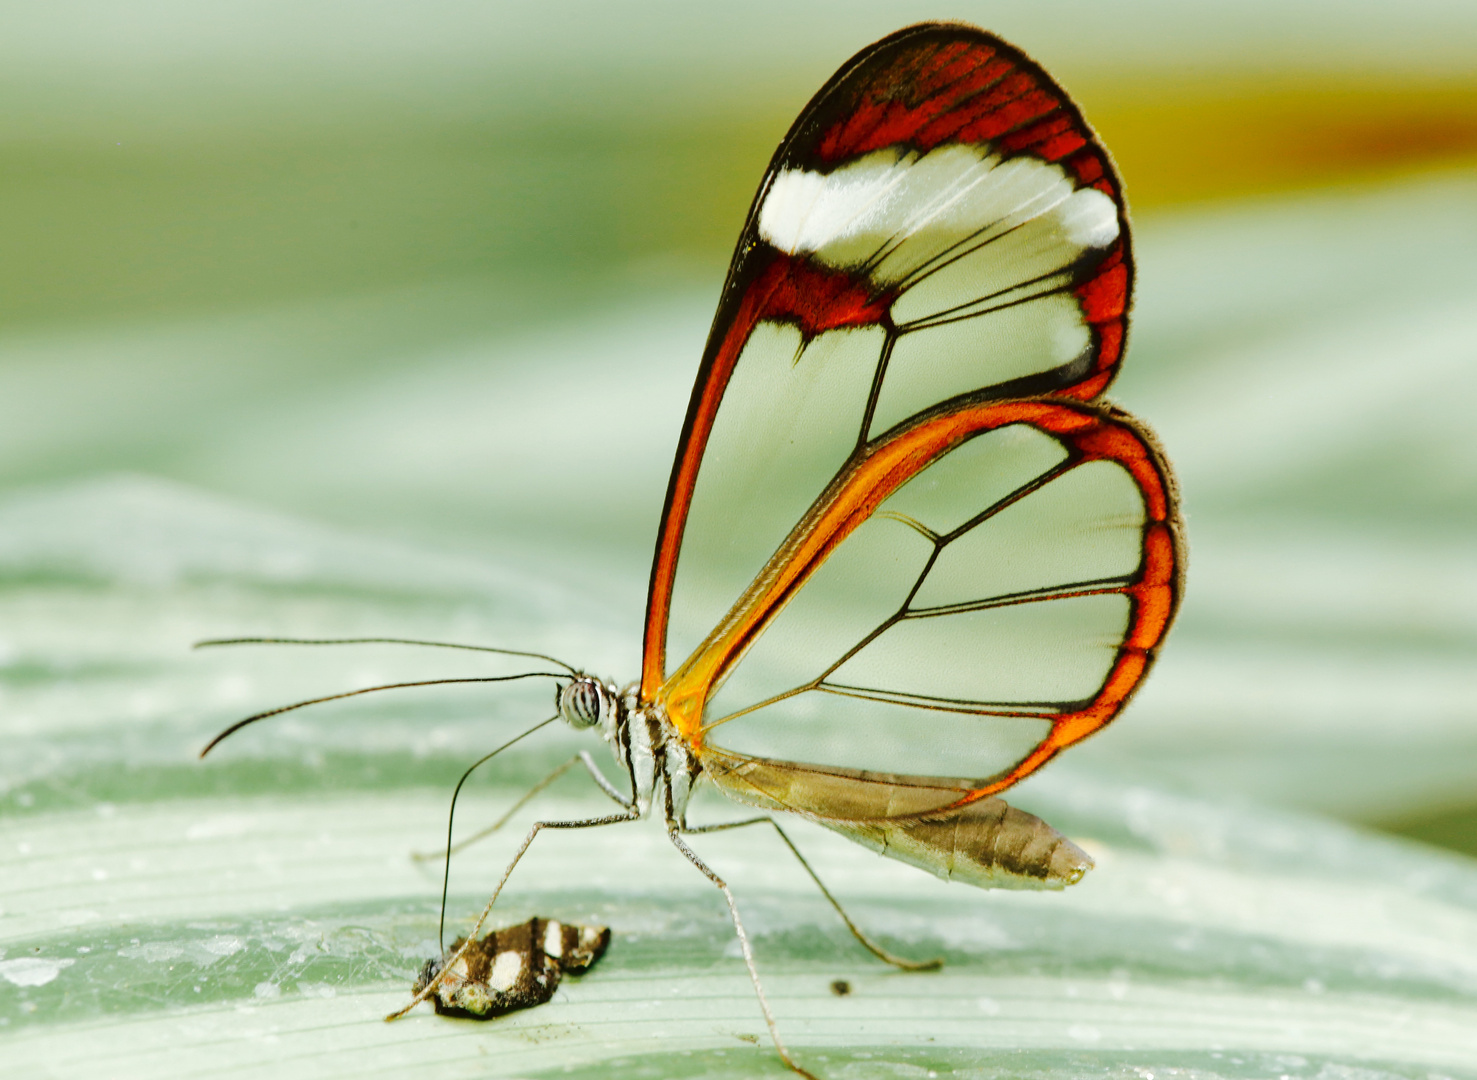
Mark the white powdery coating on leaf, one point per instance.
(223, 945)
(204, 953)
(32, 970)
(153, 952)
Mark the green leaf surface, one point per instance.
(319, 325)
(260, 911)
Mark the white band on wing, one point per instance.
(898, 217)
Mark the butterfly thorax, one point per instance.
(657, 760)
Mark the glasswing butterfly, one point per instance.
(899, 496)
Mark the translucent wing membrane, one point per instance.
(940, 224)
(986, 585)
(896, 501)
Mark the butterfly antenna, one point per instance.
(239, 724)
(212, 642)
(451, 821)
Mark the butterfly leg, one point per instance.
(867, 943)
(426, 856)
(582, 757)
(539, 826)
(604, 784)
(674, 831)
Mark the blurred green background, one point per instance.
(442, 273)
(381, 318)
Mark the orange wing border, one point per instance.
(1089, 432)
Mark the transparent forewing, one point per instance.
(977, 590)
(940, 224)
(786, 427)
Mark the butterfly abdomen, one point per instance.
(914, 819)
(986, 843)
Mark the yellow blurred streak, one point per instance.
(281, 213)
(1199, 140)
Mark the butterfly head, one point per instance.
(587, 702)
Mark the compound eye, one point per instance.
(583, 702)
